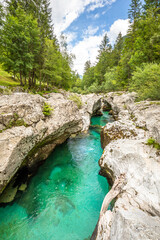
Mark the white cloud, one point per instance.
(96, 16)
(90, 31)
(71, 36)
(100, 4)
(87, 49)
(118, 26)
(66, 11)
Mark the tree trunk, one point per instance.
(47, 83)
(32, 80)
(21, 80)
(40, 80)
(25, 80)
(29, 80)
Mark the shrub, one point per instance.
(15, 122)
(152, 142)
(115, 80)
(146, 81)
(47, 110)
(111, 80)
(76, 90)
(7, 91)
(76, 99)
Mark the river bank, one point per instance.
(131, 148)
(28, 134)
(60, 200)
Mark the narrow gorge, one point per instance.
(67, 190)
(66, 193)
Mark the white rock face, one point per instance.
(91, 104)
(136, 213)
(34, 141)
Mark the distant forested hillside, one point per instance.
(133, 63)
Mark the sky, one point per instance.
(84, 23)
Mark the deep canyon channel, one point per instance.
(63, 200)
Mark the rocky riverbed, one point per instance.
(131, 148)
(28, 136)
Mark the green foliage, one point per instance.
(76, 90)
(135, 10)
(31, 53)
(154, 103)
(152, 142)
(94, 88)
(20, 44)
(1, 14)
(6, 79)
(151, 4)
(123, 66)
(88, 78)
(76, 99)
(117, 51)
(146, 81)
(15, 122)
(111, 80)
(6, 91)
(47, 110)
(40, 9)
(104, 60)
(29, 50)
(8, 82)
(57, 69)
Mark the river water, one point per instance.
(63, 200)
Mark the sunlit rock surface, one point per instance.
(28, 136)
(136, 212)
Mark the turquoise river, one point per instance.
(64, 199)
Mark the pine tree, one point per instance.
(40, 9)
(1, 15)
(151, 4)
(47, 19)
(11, 6)
(104, 55)
(134, 11)
(88, 77)
(20, 45)
(105, 45)
(87, 66)
(116, 54)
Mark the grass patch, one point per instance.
(6, 79)
(125, 107)
(8, 82)
(47, 110)
(154, 103)
(152, 142)
(15, 122)
(76, 99)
